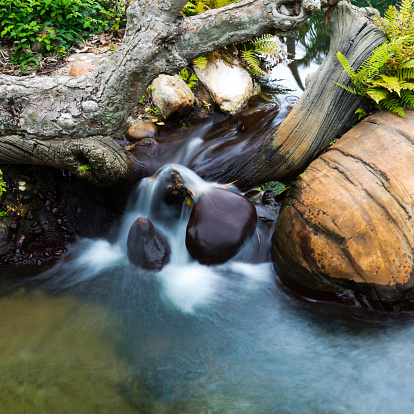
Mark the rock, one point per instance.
(80, 68)
(147, 246)
(172, 96)
(221, 222)
(175, 192)
(90, 58)
(346, 229)
(5, 235)
(230, 87)
(141, 130)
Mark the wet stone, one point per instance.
(221, 222)
(141, 130)
(147, 247)
(5, 235)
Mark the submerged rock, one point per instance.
(172, 96)
(221, 222)
(346, 230)
(147, 246)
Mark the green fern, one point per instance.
(254, 54)
(252, 61)
(392, 104)
(200, 62)
(387, 76)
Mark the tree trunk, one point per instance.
(324, 112)
(67, 122)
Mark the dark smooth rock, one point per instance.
(147, 247)
(220, 223)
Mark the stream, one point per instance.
(96, 334)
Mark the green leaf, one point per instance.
(377, 94)
(200, 62)
(345, 64)
(408, 64)
(361, 113)
(347, 88)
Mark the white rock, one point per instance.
(230, 87)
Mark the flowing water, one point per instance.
(96, 334)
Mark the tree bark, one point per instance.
(42, 114)
(324, 112)
(67, 122)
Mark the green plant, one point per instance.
(85, 167)
(387, 76)
(54, 25)
(264, 48)
(274, 186)
(253, 53)
(152, 109)
(194, 7)
(147, 95)
(190, 80)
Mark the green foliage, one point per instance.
(387, 76)
(194, 7)
(274, 186)
(56, 24)
(152, 109)
(253, 53)
(2, 184)
(361, 113)
(200, 62)
(264, 48)
(190, 80)
(85, 167)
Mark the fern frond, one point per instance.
(405, 74)
(407, 98)
(408, 64)
(407, 85)
(347, 88)
(392, 104)
(200, 62)
(377, 94)
(201, 7)
(346, 65)
(391, 83)
(252, 62)
(406, 9)
(374, 64)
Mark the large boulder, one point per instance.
(172, 96)
(147, 247)
(346, 230)
(229, 86)
(221, 222)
